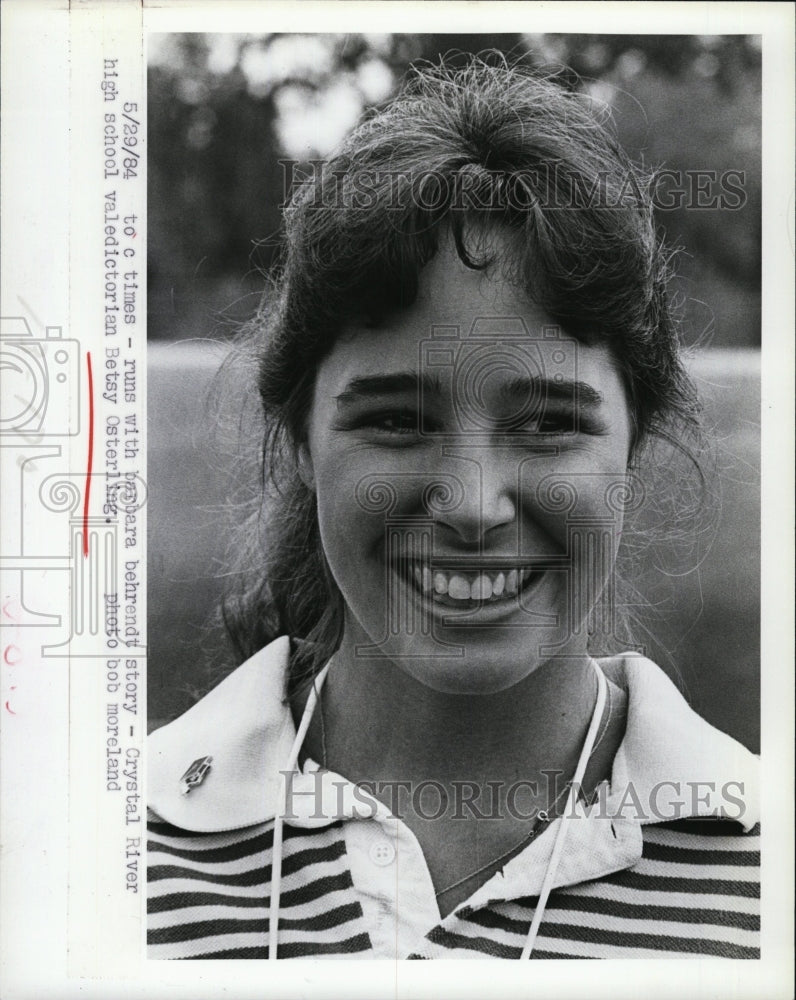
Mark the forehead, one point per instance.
(458, 304)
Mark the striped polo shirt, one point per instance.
(665, 862)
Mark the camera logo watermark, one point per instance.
(70, 525)
(499, 406)
(41, 381)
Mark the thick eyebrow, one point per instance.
(389, 384)
(395, 383)
(567, 390)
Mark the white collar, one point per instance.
(246, 726)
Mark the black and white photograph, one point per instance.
(396, 557)
(454, 496)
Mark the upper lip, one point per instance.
(481, 562)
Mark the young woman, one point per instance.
(463, 367)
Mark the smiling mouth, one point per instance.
(460, 587)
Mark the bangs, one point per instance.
(360, 234)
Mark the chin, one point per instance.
(475, 647)
(471, 679)
(471, 665)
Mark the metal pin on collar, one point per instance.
(195, 774)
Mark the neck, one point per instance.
(379, 724)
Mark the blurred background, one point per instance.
(224, 110)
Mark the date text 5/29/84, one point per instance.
(122, 156)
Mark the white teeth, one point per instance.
(458, 588)
(481, 588)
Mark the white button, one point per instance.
(382, 853)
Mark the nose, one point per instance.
(488, 485)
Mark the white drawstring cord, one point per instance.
(279, 819)
(558, 846)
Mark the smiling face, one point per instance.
(466, 457)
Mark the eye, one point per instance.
(398, 423)
(567, 422)
(395, 422)
(552, 420)
(388, 423)
(556, 422)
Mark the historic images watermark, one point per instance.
(547, 187)
(319, 796)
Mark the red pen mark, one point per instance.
(8, 707)
(90, 452)
(12, 655)
(10, 614)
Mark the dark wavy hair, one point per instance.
(457, 148)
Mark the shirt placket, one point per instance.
(391, 876)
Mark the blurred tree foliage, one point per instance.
(224, 110)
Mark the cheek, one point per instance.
(566, 499)
(364, 488)
(351, 517)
